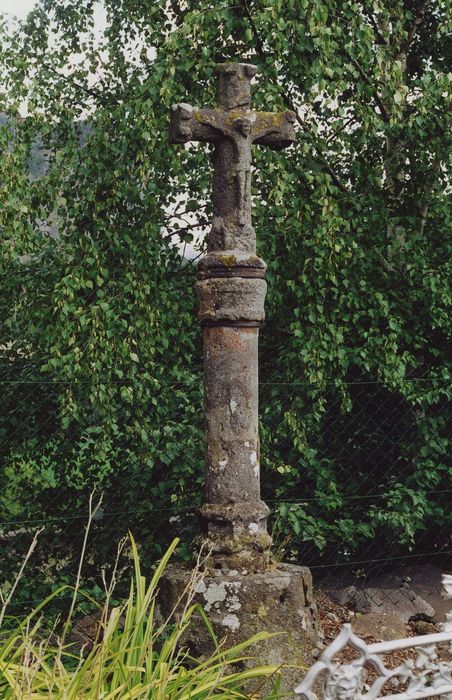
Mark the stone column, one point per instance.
(241, 589)
(231, 309)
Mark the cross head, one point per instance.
(232, 128)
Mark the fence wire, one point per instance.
(355, 473)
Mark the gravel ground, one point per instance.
(333, 616)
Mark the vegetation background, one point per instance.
(100, 350)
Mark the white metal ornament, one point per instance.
(447, 586)
(424, 677)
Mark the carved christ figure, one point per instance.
(232, 129)
(242, 129)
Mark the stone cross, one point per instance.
(231, 292)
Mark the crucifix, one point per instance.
(231, 292)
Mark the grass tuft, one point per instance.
(135, 656)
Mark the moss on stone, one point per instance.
(271, 119)
(262, 611)
(228, 260)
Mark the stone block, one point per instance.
(279, 600)
(383, 626)
(231, 299)
(403, 602)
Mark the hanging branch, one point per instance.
(287, 99)
(88, 91)
(380, 38)
(414, 27)
(377, 98)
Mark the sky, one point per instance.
(21, 8)
(18, 8)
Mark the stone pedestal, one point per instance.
(239, 605)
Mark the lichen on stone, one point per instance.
(231, 621)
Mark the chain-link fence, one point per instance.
(355, 473)
(365, 489)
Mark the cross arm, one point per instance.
(274, 129)
(190, 124)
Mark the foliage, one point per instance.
(353, 222)
(134, 657)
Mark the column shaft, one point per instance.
(231, 293)
(231, 405)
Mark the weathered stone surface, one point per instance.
(231, 263)
(236, 535)
(234, 84)
(383, 626)
(238, 606)
(231, 299)
(231, 402)
(232, 459)
(402, 601)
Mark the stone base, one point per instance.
(240, 605)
